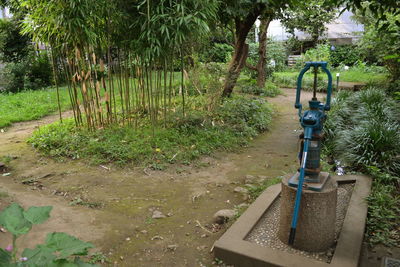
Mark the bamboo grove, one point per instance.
(120, 58)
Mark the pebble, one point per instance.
(157, 237)
(249, 179)
(144, 232)
(222, 216)
(158, 215)
(172, 247)
(241, 190)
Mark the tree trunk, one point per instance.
(241, 50)
(262, 53)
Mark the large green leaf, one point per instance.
(67, 245)
(5, 257)
(38, 215)
(12, 218)
(39, 256)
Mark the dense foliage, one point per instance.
(345, 55)
(363, 131)
(309, 17)
(23, 67)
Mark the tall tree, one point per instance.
(309, 17)
(242, 14)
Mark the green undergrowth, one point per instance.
(30, 105)
(184, 139)
(363, 132)
(249, 86)
(383, 225)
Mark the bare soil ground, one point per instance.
(115, 205)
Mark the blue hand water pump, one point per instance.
(312, 123)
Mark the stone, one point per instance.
(222, 216)
(317, 217)
(241, 190)
(3, 167)
(172, 247)
(249, 179)
(158, 215)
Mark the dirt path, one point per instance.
(123, 228)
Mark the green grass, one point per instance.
(289, 78)
(255, 192)
(183, 140)
(30, 105)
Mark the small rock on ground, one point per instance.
(158, 215)
(249, 179)
(241, 190)
(222, 216)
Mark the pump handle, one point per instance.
(314, 64)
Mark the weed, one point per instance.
(98, 257)
(255, 191)
(92, 205)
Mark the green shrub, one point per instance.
(345, 54)
(363, 129)
(33, 72)
(250, 87)
(246, 115)
(218, 52)
(371, 143)
(14, 46)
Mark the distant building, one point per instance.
(343, 30)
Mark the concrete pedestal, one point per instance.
(317, 217)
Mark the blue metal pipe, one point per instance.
(307, 137)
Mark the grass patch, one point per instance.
(30, 105)
(183, 140)
(383, 224)
(256, 191)
(289, 78)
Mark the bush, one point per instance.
(218, 52)
(345, 54)
(250, 87)
(363, 129)
(33, 72)
(246, 115)
(14, 47)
